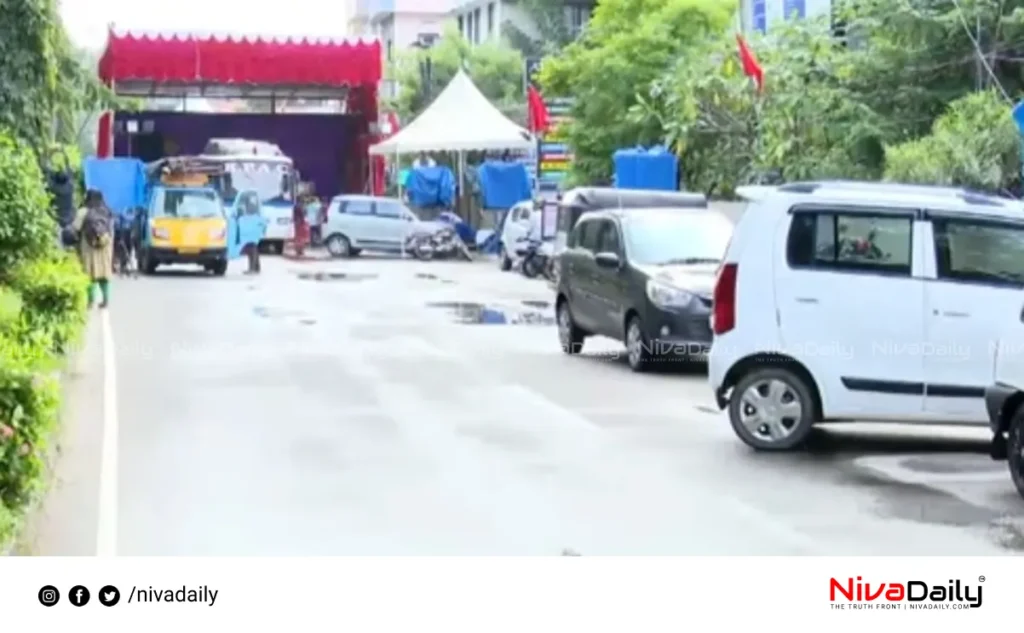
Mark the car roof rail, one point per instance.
(606, 198)
(970, 196)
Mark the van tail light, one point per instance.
(160, 234)
(723, 306)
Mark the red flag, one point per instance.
(539, 118)
(751, 67)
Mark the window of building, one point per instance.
(577, 18)
(391, 50)
(462, 26)
(490, 20)
(476, 22)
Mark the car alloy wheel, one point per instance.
(637, 354)
(570, 337)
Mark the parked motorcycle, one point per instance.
(535, 259)
(442, 244)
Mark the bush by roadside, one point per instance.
(42, 312)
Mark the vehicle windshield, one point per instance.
(272, 181)
(186, 203)
(677, 237)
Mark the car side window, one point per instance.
(357, 207)
(979, 252)
(608, 240)
(389, 209)
(586, 235)
(851, 241)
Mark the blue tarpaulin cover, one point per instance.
(503, 184)
(431, 187)
(638, 168)
(122, 181)
(464, 230)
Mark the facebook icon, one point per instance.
(79, 596)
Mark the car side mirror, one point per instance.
(608, 260)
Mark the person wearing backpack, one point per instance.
(94, 225)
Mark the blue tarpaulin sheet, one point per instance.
(431, 187)
(122, 181)
(503, 184)
(655, 168)
(464, 230)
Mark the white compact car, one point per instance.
(522, 221)
(356, 223)
(844, 301)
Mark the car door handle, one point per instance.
(956, 315)
(811, 300)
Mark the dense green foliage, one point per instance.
(44, 94)
(667, 71)
(495, 68)
(42, 311)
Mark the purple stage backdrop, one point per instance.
(320, 144)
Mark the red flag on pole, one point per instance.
(751, 67)
(539, 118)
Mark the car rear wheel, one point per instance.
(219, 268)
(1015, 450)
(570, 336)
(339, 246)
(772, 409)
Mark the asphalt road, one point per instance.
(329, 409)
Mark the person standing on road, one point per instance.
(301, 224)
(313, 207)
(93, 224)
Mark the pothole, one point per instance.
(952, 465)
(469, 313)
(326, 276)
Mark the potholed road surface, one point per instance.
(361, 408)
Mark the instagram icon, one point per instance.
(49, 596)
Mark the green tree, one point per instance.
(494, 67)
(628, 45)
(44, 87)
(975, 143)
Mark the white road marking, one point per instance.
(106, 530)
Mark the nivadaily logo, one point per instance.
(855, 593)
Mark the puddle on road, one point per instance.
(277, 313)
(921, 503)
(433, 277)
(952, 465)
(468, 313)
(325, 276)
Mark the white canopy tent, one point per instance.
(460, 119)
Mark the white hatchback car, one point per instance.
(356, 223)
(845, 301)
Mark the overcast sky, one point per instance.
(87, 20)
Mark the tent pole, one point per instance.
(398, 181)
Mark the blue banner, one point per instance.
(759, 15)
(794, 9)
